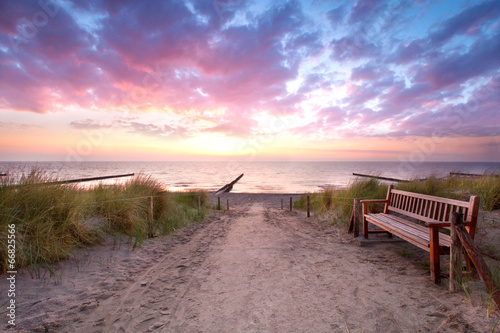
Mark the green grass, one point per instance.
(338, 202)
(52, 220)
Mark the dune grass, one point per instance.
(52, 220)
(338, 202)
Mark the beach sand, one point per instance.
(254, 268)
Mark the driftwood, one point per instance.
(478, 261)
(229, 187)
(472, 174)
(86, 179)
(378, 177)
(465, 174)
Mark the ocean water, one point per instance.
(259, 177)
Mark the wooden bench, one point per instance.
(416, 218)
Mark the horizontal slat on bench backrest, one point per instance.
(426, 208)
(432, 198)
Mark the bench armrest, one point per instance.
(373, 201)
(365, 203)
(444, 224)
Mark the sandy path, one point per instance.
(253, 269)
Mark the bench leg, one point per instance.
(365, 228)
(434, 255)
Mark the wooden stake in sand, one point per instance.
(150, 218)
(308, 207)
(290, 203)
(456, 253)
(478, 261)
(354, 224)
(356, 207)
(229, 187)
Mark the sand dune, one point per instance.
(255, 268)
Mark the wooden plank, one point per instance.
(472, 212)
(409, 236)
(426, 209)
(415, 216)
(465, 174)
(79, 180)
(229, 187)
(433, 198)
(434, 255)
(478, 261)
(378, 177)
(401, 227)
(456, 254)
(438, 217)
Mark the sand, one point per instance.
(254, 268)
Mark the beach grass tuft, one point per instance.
(338, 202)
(53, 219)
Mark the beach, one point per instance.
(252, 268)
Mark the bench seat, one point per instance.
(409, 231)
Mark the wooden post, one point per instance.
(290, 203)
(351, 221)
(227, 204)
(218, 203)
(456, 253)
(364, 211)
(308, 207)
(434, 255)
(150, 218)
(356, 217)
(199, 202)
(479, 263)
(281, 204)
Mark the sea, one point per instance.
(258, 176)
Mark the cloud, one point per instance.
(362, 10)
(353, 48)
(89, 124)
(154, 130)
(458, 66)
(468, 21)
(404, 69)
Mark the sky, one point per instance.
(250, 80)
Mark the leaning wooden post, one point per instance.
(308, 207)
(218, 203)
(290, 203)
(281, 204)
(150, 217)
(456, 253)
(356, 217)
(479, 263)
(351, 222)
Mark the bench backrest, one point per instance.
(428, 208)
